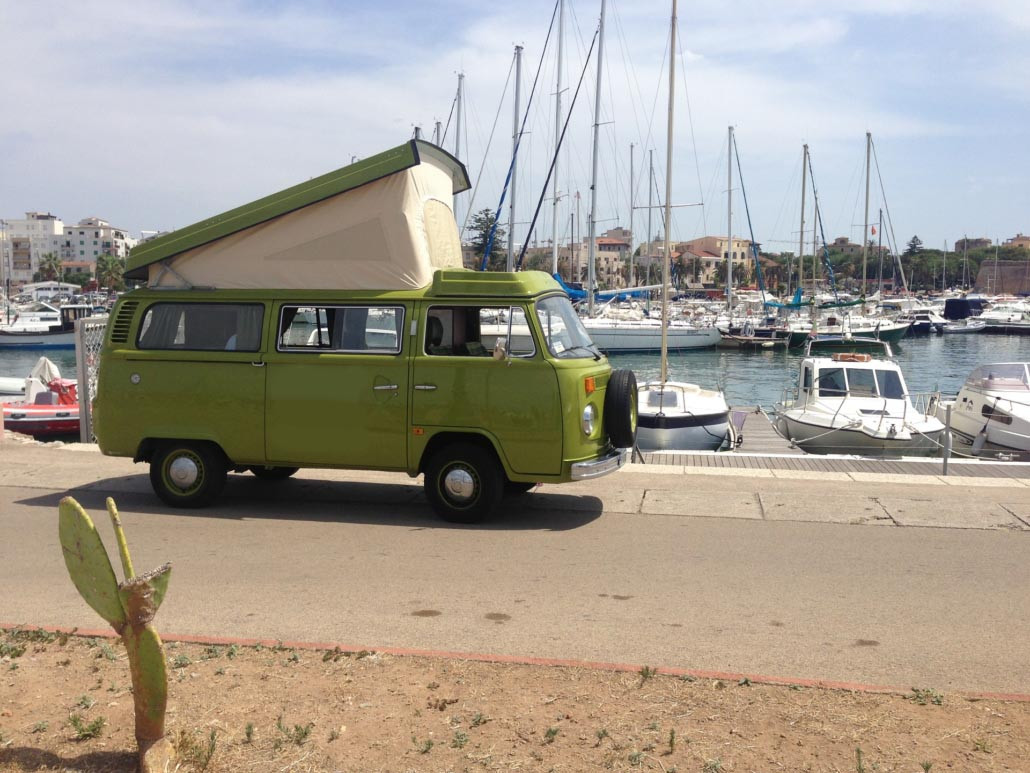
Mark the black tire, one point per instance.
(273, 473)
(476, 489)
(513, 488)
(620, 408)
(203, 466)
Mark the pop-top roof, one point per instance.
(403, 225)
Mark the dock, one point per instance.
(762, 448)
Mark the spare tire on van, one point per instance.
(620, 408)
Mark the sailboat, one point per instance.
(673, 415)
(638, 333)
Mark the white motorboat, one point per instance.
(968, 325)
(992, 410)
(672, 415)
(39, 331)
(851, 403)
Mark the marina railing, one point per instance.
(89, 340)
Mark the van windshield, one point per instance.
(564, 333)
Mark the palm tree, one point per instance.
(50, 267)
(109, 271)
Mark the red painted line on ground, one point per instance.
(522, 660)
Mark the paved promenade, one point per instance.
(888, 579)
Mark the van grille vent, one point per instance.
(122, 322)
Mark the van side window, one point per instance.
(363, 329)
(202, 326)
(472, 331)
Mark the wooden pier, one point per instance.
(763, 449)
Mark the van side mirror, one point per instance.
(500, 350)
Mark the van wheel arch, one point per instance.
(442, 439)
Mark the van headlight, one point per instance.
(589, 419)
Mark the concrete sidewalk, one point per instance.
(744, 571)
(757, 494)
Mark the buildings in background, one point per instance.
(24, 242)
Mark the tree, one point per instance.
(50, 267)
(109, 271)
(915, 244)
(479, 228)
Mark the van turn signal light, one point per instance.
(589, 385)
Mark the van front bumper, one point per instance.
(595, 468)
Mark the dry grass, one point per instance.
(314, 711)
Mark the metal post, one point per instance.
(947, 439)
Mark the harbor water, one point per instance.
(930, 363)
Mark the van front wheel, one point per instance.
(464, 482)
(185, 474)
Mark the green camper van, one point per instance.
(319, 328)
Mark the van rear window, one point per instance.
(202, 326)
(364, 329)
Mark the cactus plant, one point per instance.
(129, 607)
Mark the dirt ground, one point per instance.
(279, 709)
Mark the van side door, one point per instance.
(337, 385)
(457, 384)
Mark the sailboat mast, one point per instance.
(459, 107)
(557, 138)
(629, 281)
(879, 251)
(801, 241)
(650, 205)
(510, 263)
(729, 223)
(666, 255)
(865, 220)
(592, 222)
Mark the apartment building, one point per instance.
(25, 241)
(93, 237)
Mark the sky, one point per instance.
(156, 114)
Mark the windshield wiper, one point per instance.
(591, 350)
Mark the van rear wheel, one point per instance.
(464, 482)
(188, 474)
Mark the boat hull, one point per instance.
(41, 420)
(636, 338)
(682, 433)
(818, 439)
(62, 339)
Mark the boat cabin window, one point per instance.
(202, 326)
(806, 378)
(831, 382)
(347, 329)
(472, 331)
(861, 382)
(890, 384)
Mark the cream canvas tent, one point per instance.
(384, 223)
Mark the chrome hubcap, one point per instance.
(183, 472)
(459, 485)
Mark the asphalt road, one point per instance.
(690, 571)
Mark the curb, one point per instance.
(524, 660)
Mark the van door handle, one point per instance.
(385, 388)
(426, 387)
(258, 364)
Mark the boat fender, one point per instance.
(980, 440)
